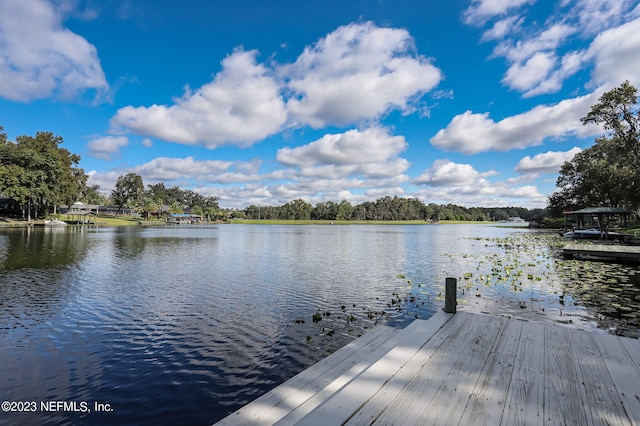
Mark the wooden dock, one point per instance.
(462, 369)
(615, 252)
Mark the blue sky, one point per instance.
(473, 102)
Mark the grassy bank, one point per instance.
(100, 221)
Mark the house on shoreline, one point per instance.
(79, 209)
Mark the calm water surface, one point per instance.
(186, 324)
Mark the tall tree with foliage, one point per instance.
(128, 191)
(39, 174)
(608, 173)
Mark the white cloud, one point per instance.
(39, 57)
(369, 154)
(484, 194)
(535, 65)
(538, 55)
(383, 192)
(502, 28)
(529, 74)
(547, 162)
(355, 74)
(107, 146)
(616, 57)
(242, 105)
(447, 173)
(186, 172)
(376, 170)
(594, 16)
(352, 147)
(358, 72)
(544, 41)
(471, 133)
(171, 169)
(481, 11)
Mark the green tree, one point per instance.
(92, 195)
(345, 210)
(128, 191)
(197, 210)
(149, 206)
(297, 210)
(44, 174)
(607, 173)
(617, 112)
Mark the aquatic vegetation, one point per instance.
(523, 275)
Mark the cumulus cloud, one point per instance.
(371, 153)
(39, 57)
(484, 194)
(107, 147)
(171, 169)
(615, 53)
(186, 172)
(447, 173)
(357, 72)
(547, 162)
(372, 145)
(354, 75)
(471, 133)
(240, 106)
(536, 67)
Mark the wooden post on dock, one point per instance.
(450, 290)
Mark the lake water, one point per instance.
(186, 324)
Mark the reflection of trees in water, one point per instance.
(34, 266)
(42, 247)
(610, 291)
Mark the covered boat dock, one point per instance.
(603, 218)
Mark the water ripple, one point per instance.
(184, 325)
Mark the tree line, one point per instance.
(129, 191)
(37, 175)
(384, 209)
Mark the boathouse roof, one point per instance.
(600, 210)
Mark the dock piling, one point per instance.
(450, 297)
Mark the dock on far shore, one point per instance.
(462, 368)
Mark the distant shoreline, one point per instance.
(351, 222)
(100, 221)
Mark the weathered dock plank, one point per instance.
(426, 378)
(602, 401)
(464, 369)
(386, 396)
(607, 251)
(272, 406)
(345, 402)
(448, 403)
(561, 378)
(624, 371)
(525, 398)
(486, 404)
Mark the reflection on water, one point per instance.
(186, 324)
